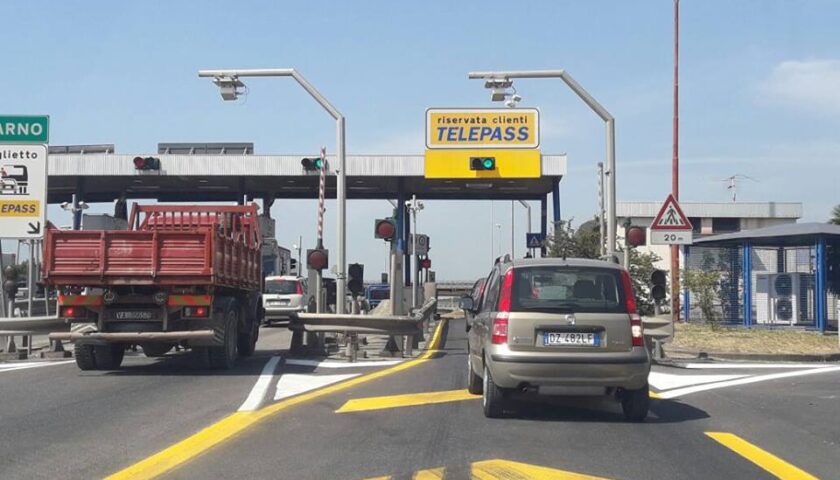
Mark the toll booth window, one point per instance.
(726, 225)
(567, 290)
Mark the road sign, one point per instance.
(671, 226)
(422, 244)
(457, 163)
(23, 191)
(534, 240)
(24, 129)
(482, 128)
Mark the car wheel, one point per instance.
(493, 399)
(636, 403)
(474, 385)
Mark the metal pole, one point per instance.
(528, 208)
(512, 250)
(675, 168)
(492, 233)
(341, 171)
(600, 111)
(2, 280)
(30, 284)
(601, 219)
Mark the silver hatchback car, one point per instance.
(558, 327)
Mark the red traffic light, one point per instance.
(148, 163)
(426, 263)
(636, 236)
(317, 259)
(385, 228)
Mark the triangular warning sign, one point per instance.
(670, 216)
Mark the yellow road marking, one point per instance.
(406, 400)
(195, 445)
(762, 458)
(654, 395)
(430, 474)
(507, 470)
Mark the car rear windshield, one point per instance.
(379, 294)
(283, 287)
(565, 289)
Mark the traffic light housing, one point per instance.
(482, 163)
(658, 285)
(10, 285)
(635, 236)
(317, 258)
(146, 163)
(356, 278)
(385, 228)
(293, 266)
(312, 164)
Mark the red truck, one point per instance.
(189, 276)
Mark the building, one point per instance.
(709, 218)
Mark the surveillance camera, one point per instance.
(498, 95)
(516, 98)
(229, 87)
(228, 92)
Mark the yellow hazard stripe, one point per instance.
(762, 458)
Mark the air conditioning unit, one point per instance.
(778, 298)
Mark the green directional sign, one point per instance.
(24, 128)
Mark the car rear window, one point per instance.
(379, 294)
(568, 289)
(283, 287)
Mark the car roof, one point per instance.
(564, 262)
(283, 277)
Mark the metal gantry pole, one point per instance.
(600, 111)
(341, 171)
(528, 209)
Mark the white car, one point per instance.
(284, 297)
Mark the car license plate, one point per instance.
(284, 301)
(571, 338)
(134, 315)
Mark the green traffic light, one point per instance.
(488, 163)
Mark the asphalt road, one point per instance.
(61, 422)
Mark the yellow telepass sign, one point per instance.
(499, 128)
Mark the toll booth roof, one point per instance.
(102, 177)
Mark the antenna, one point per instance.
(733, 183)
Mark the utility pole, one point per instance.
(414, 206)
(675, 167)
(602, 220)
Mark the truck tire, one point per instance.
(85, 359)
(109, 357)
(223, 357)
(247, 340)
(155, 349)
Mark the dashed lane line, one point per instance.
(760, 457)
(234, 424)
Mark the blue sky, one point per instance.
(759, 92)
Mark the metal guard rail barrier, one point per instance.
(370, 324)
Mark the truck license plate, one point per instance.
(571, 338)
(134, 315)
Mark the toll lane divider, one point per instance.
(225, 429)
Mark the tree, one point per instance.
(642, 266)
(835, 215)
(705, 288)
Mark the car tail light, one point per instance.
(196, 312)
(499, 333)
(72, 312)
(629, 298)
(298, 288)
(637, 331)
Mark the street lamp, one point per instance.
(229, 84)
(499, 81)
(75, 208)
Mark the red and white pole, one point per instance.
(321, 186)
(675, 167)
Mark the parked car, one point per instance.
(283, 297)
(374, 294)
(558, 327)
(476, 293)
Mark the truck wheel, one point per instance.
(635, 403)
(247, 340)
(155, 349)
(224, 356)
(84, 357)
(109, 357)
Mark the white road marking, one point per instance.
(257, 394)
(714, 366)
(8, 367)
(334, 364)
(291, 384)
(668, 381)
(744, 381)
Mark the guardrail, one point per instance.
(657, 330)
(43, 324)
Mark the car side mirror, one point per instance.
(467, 303)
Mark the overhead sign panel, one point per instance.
(23, 190)
(24, 129)
(475, 128)
(671, 226)
(458, 163)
